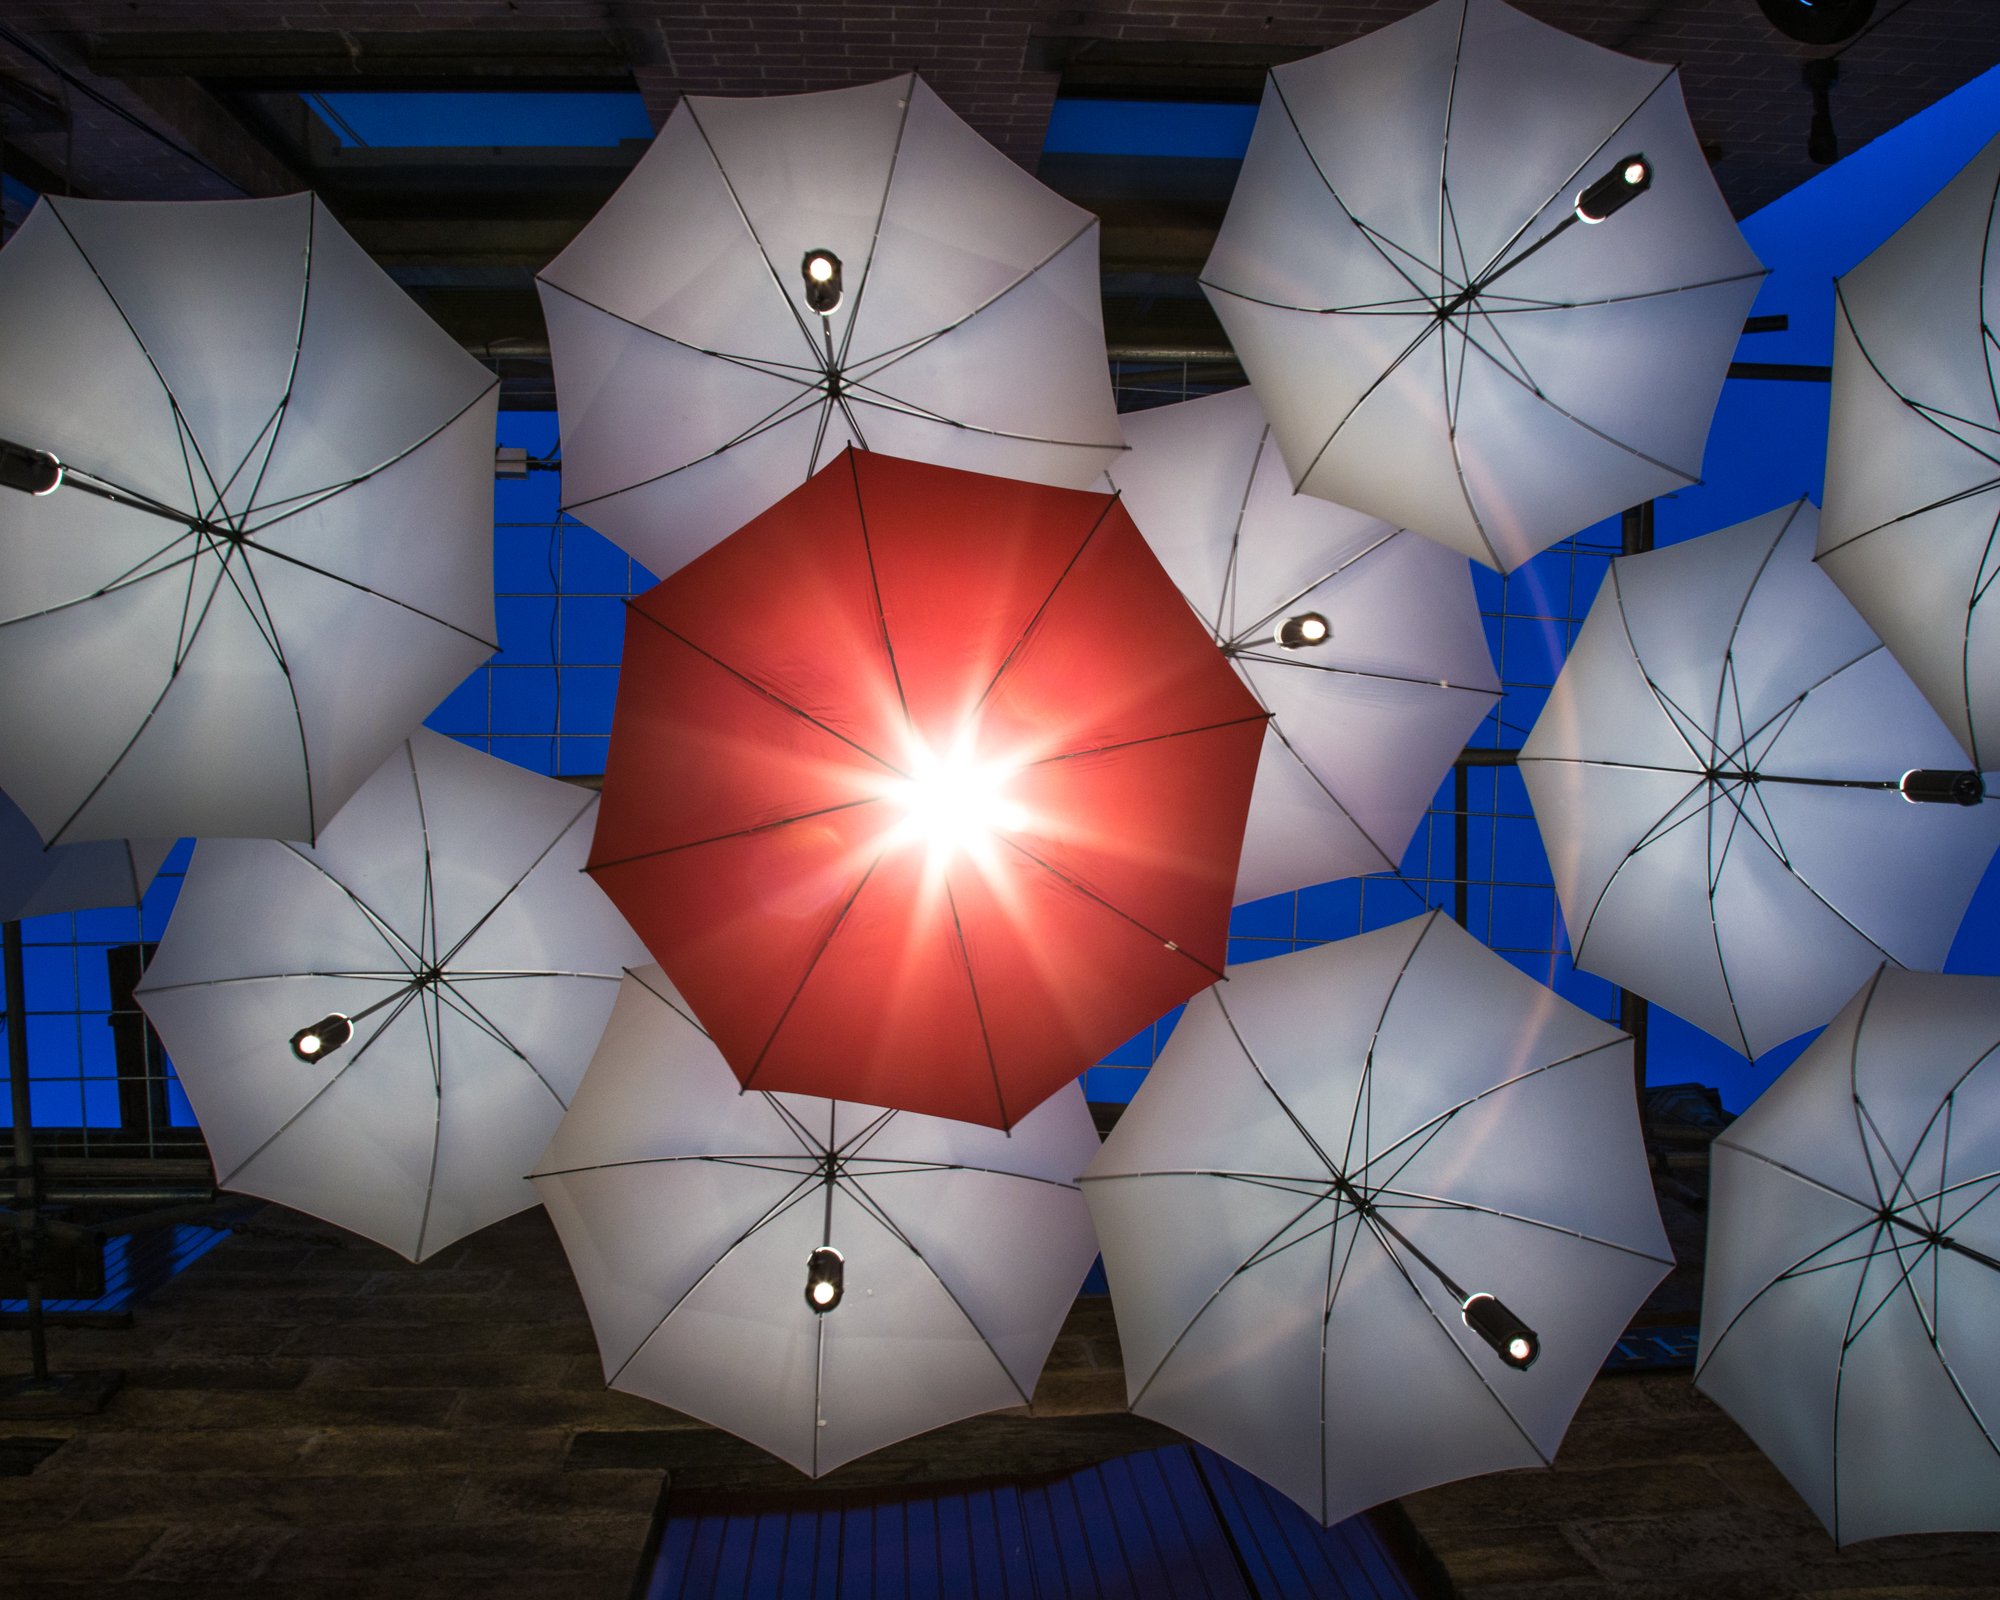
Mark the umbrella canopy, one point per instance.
(944, 1256)
(37, 881)
(1716, 775)
(705, 365)
(1362, 641)
(1346, 1164)
(926, 789)
(1913, 454)
(1437, 341)
(441, 969)
(1853, 1271)
(269, 553)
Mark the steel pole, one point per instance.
(25, 1196)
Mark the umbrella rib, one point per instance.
(1470, 1365)
(737, 833)
(749, 227)
(875, 591)
(1255, 1066)
(758, 1163)
(223, 1180)
(448, 996)
(1653, 835)
(1345, 563)
(978, 1007)
(812, 965)
(399, 947)
(1367, 672)
(152, 711)
(1150, 738)
(1424, 1129)
(269, 632)
(1284, 1183)
(859, 1141)
(1433, 1202)
(276, 425)
(1507, 305)
(788, 410)
(129, 578)
(1388, 861)
(180, 421)
(809, 1143)
(1452, 393)
(1216, 1294)
(871, 367)
(896, 1167)
(1364, 1097)
(775, 1210)
(1335, 1282)
(434, 1044)
(875, 1209)
(776, 699)
(513, 888)
(1079, 887)
(884, 401)
(1797, 1269)
(1226, 600)
(881, 211)
(1034, 621)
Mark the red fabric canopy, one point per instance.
(763, 825)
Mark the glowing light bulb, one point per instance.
(954, 802)
(823, 1294)
(820, 270)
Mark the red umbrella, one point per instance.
(926, 788)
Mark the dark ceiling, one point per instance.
(125, 98)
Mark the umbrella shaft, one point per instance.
(1943, 1241)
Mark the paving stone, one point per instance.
(578, 1551)
(499, 1497)
(1500, 1499)
(1068, 1394)
(400, 1338)
(217, 1372)
(1700, 1544)
(319, 1406)
(541, 1408)
(121, 1454)
(210, 1554)
(1488, 1556)
(74, 1550)
(437, 1372)
(432, 1450)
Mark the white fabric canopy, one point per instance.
(1335, 1149)
(1363, 725)
(445, 910)
(1715, 777)
(697, 386)
(1913, 453)
(1853, 1272)
(38, 881)
(287, 559)
(689, 1210)
(1426, 351)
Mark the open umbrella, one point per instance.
(256, 544)
(1853, 1270)
(1362, 641)
(1913, 454)
(1720, 777)
(780, 277)
(835, 1277)
(37, 880)
(926, 789)
(1423, 274)
(1376, 1217)
(383, 1030)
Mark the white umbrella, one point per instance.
(1435, 341)
(383, 1030)
(818, 1277)
(1853, 1273)
(702, 373)
(267, 551)
(1377, 1216)
(1716, 775)
(1363, 642)
(37, 880)
(1913, 455)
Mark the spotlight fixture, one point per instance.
(826, 1274)
(1940, 788)
(323, 1037)
(31, 471)
(1629, 177)
(821, 270)
(1817, 21)
(1308, 628)
(1512, 1339)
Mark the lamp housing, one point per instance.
(1303, 631)
(821, 271)
(826, 1279)
(31, 471)
(1933, 786)
(1817, 21)
(1512, 1340)
(1629, 177)
(320, 1039)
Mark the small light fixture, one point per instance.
(821, 270)
(826, 1275)
(1629, 177)
(1817, 21)
(1925, 785)
(1511, 1338)
(31, 471)
(323, 1037)
(1308, 628)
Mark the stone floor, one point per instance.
(305, 1415)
